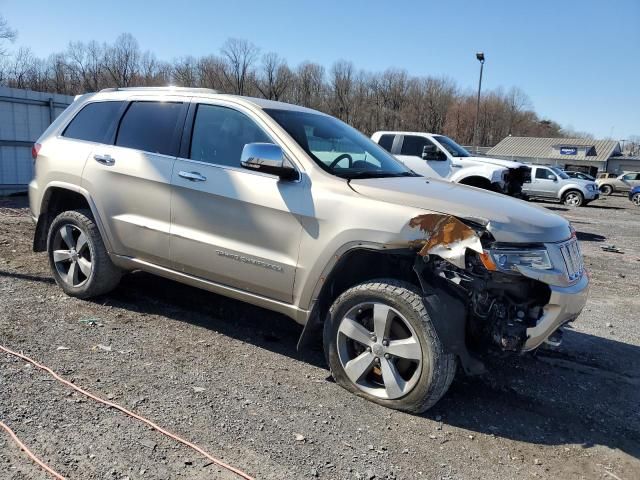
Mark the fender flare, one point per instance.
(43, 219)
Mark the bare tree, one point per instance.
(275, 77)
(122, 60)
(342, 89)
(7, 34)
(309, 85)
(240, 56)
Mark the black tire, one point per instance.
(606, 190)
(104, 276)
(438, 368)
(635, 199)
(573, 198)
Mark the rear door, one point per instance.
(411, 149)
(230, 225)
(131, 180)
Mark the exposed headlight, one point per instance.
(592, 186)
(507, 260)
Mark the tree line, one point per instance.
(370, 101)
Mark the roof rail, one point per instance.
(162, 89)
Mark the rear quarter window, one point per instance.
(150, 126)
(94, 122)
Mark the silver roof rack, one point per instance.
(160, 89)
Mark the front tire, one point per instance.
(78, 258)
(381, 345)
(573, 198)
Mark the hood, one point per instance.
(508, 219)
(491, 161)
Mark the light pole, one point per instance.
(480, 57)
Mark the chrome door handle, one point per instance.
(193, 176)
(104, 159)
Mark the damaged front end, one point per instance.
(506, 289)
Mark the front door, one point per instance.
(544, 183)
(233, 226)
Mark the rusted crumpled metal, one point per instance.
(446, 237)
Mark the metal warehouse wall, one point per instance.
(24, 115)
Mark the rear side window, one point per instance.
(150, 126)
(93, 122)
(386, 141)
(220, 134)
(414, 145)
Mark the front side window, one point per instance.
(631, 176)
(336, 147)
(414, 145)
(93, 122)
(452, 147)
(150, 126)
(220, 134)
(545, 174)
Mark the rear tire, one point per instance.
(412, 371)
(573, 198)
(606, 190)
(78, 258)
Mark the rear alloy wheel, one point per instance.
(606, 190)
(381, 345)
(79, 260)
(635, 199)
(72, 255)
(573, 198)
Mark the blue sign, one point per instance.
(568, 151)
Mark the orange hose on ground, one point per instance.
(43, 465)
(220, 463)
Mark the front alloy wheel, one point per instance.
(379, 350)
(635, 199)
(380, 344)
(573, 199)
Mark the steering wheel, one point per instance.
(340, 158)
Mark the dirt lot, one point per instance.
(227, 376)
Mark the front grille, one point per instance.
(572, 256)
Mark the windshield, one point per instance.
(560, 172)
(338, 148)
(452, 147)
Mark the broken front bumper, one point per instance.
(564, 306)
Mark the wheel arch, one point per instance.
(57, 198)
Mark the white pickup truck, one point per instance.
(440, 157)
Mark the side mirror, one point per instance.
(267, 158)
(431, 152)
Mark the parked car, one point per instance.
(551, 183)
(621, 183)
(580, 176)
(606, 175)
(437, 156)
(634, 196)
(292, 210)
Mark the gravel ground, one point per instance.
(226, 376)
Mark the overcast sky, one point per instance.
(579, 61)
